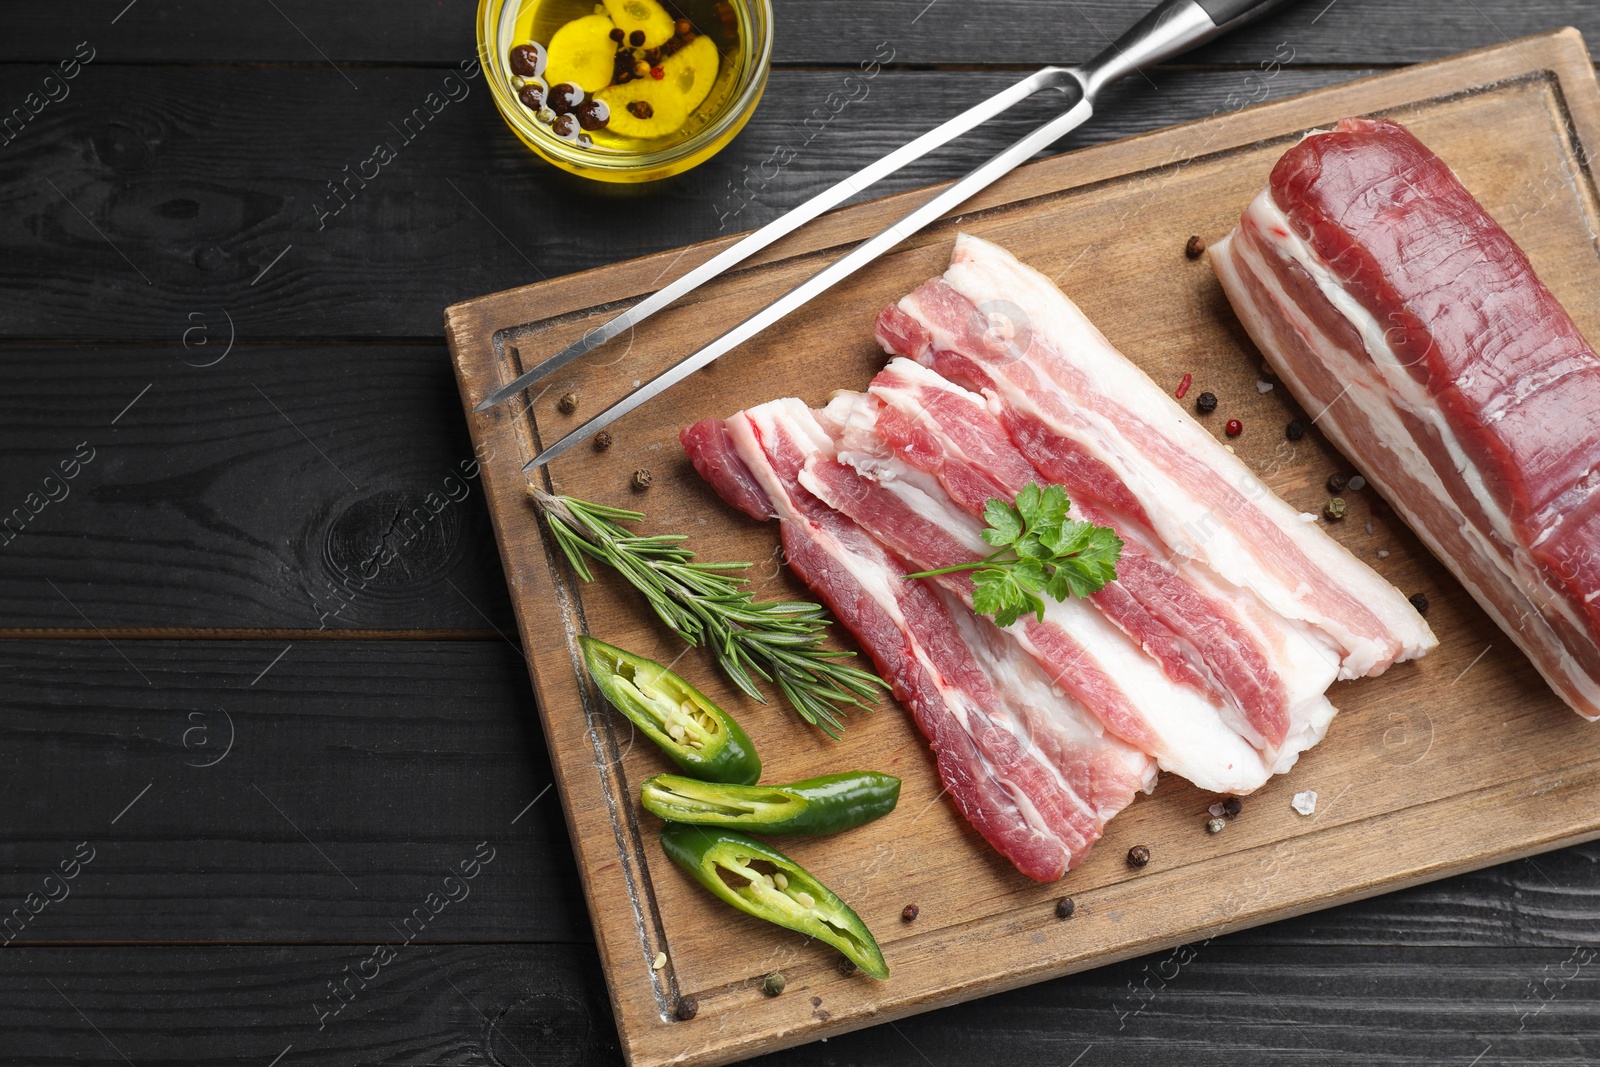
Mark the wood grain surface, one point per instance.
(1409, 793)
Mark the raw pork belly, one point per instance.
(1026, 765)
(1390, 302)
(1208, 656)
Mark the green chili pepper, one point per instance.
(815, 806)
(700, 737)
(763, 882)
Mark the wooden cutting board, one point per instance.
(1462, 760)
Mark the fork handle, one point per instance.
(1173, 27)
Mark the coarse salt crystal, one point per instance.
(1357, 484)
(1305, 803)
(1383, 553)
(1216, 810)
(1306, 516)
(1368, 525)
(1263, 387)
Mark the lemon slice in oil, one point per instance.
(582, 52)
(692, 71)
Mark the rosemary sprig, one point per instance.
(703, 603)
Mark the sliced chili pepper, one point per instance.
(815, 806)
(761, 881)
(701, 738)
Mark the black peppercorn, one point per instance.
(1205, 403)
(568, 403)
(566, 127)
(846, 966)
(1065, 907)
(602, 440)
(1231, 807)
(593, 114)
(1420, 602)
(532, 97)
(641, 479)
(1295, 430)
(688, 1008)
(1195, 248)
(528, 60)
(909, 913)
(1138, 856)
(636, 38)
(616, 35)
(640, 109)
(1337, 481)
(563, 97)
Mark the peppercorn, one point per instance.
(564, 96)
(1232, 807)
(1065, 907)
(528, 60)
(640, 109)
(1334, 509)
(636, 38)
(846, 966)
(1337, 481)
(565, 127)
(616, 35)
(909, 913)
(1215, 826)
(657, 73)
(532, 97)
(1295, 430)
(1234, 428)
(568, 403)
(688, 1008)
(602, 440)
(1205, 403)
(1195, 248)
(773, 983)
(545, 115)
(640, 68)
(1420, 602)
(593, 114)
(681, 27)
(641, 479)
(1138, 855)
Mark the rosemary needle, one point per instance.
(704, 603)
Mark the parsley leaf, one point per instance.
(1039, 549)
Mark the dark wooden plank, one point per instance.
(360, 776)
(205, 186)
(821, 32)
(1224, 1003)
(307, 488)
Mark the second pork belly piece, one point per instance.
(1267, 673)
(1388, 300)
(1080, 650)
(1032, 772)
(1087, 417)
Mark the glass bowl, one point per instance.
(504, 23)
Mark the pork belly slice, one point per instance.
(1087, 417)
(1077, 647)
(1268, 674)
(1389, 301)
(1035, 776)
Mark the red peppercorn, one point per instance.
(657, 73)
(1234, 427)
(1183, 386)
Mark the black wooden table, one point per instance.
(255, 710)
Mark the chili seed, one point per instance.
(593, 114)
(657, 73)
(780, 880)
(1334, 509)
(568, 403)
(565, 127)
(1183, 386)
(1232, 807)
(564, 96)
(688, 1008)
(773, 983)
(1205, 403)
(641, 479)
(616, 35)
(602, 440)
(1420, 602)
(1234, 427)
(1195, 247)
(1215, 826)
(659, 962)
(1138, 856)
(1295, 430)
(1065, 907)
(805, 900)
(846, 965)
(531, 96)
(529, 60)
(640, 109)
(909, 913)
(1337, 481)
(636, 38)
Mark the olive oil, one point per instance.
(626, 77)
